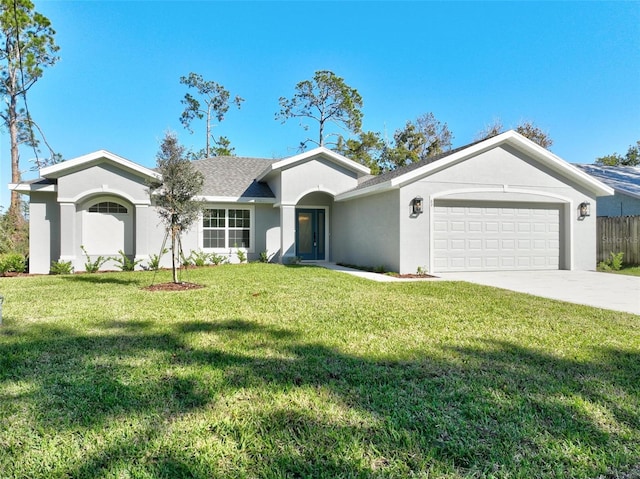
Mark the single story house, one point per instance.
(503, 203)
(625, 181)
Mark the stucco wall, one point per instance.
(314, 175)
(501, 175)
(44, 232)
(366, 231)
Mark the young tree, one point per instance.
(216, 99)
(26, 47)
(326, 99)
(632, 157)
(175, 193)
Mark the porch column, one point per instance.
(141, 229)
(68, 233)
(287, 233)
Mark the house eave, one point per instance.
(510, 137)
(75, 164)
(26, 188)
(237, 199)
(351, 165)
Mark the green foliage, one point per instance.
(529, 130)
(95, 265)
(631, 158)
(125, 263)
(216, 104)
(366, 149)
(526, 128)
(174, 194)
(14, 234)
(264, 257)
(27, 46)
(614, 263)
(154, 260)
(61, 267)
(200, 258)
(422, 271)
(12, 263)
(326, 99)
(241, 255)
(217, 259)
(418, 141)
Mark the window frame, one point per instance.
(228, 248)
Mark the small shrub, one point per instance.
(242, 256)
(614, 263)
(422, 271)
(61, 267)
(199, 258)
(217, 258)
(154, 260)
(124, 263)
(264, 257)
(93, 266)
(12, 263)
(379, 269)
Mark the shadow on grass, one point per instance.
(493, 409)
(100, 278)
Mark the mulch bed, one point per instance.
(413, 276)
(173, 287)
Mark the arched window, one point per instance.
(107, 207)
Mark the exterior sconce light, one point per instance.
(584, 209)
(417, 205)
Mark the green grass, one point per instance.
(273, 371)
(629, 270)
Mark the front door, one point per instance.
(310, 234)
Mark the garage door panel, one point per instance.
(472, 238)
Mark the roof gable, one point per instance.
(332, 156)
(415, 171)
(623, 179)
(69, 166)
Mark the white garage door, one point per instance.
(472, 237)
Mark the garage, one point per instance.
(478, 236)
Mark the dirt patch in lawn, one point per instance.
(173, 287)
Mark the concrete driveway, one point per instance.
(602, 290)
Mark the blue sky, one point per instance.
(571, 67)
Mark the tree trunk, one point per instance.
(12, 113)
(174, 255)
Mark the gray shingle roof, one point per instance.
(234, 176)
(625, 179)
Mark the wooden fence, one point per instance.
(619, 234)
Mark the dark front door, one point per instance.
(310, 234)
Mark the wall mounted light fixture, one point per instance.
(584, 209)
(417, 205)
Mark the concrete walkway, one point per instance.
(602, 290)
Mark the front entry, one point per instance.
(310, 234)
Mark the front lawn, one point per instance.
(273, 371)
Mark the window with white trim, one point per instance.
(225, 228)
(107, 207)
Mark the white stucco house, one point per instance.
(625, 181)
(503, 203)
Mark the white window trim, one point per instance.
(230, 249)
